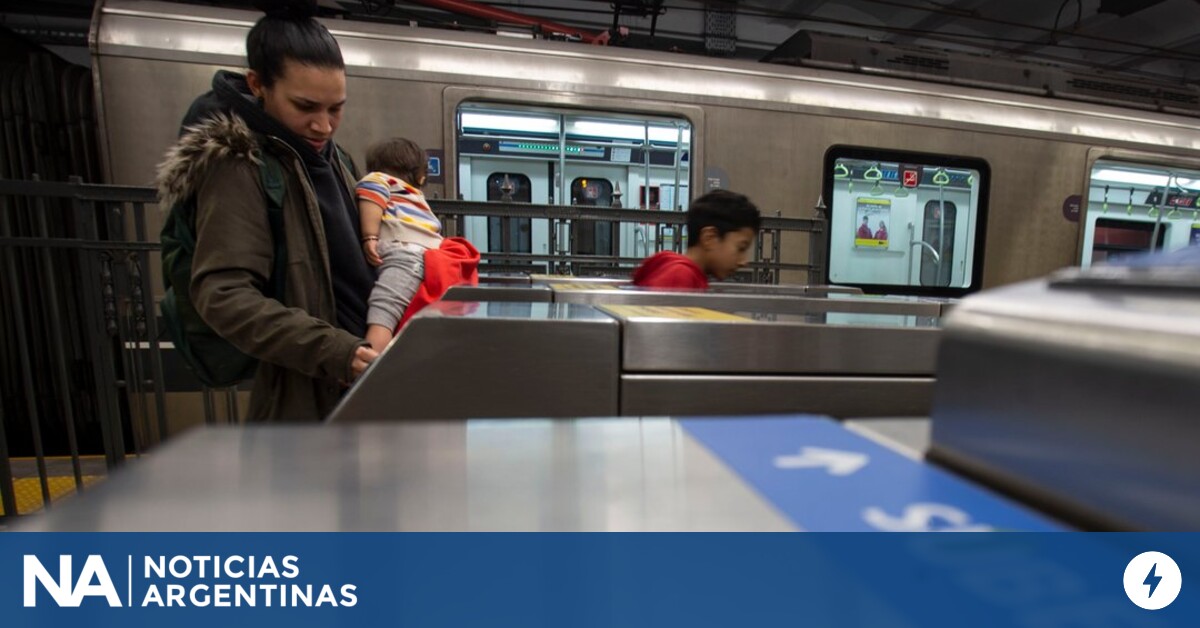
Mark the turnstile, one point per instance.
(700, 361)
(569, 475)
(1079, 392)
(462, 359)
(767, 303)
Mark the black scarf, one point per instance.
(353, 278)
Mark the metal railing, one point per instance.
(80, 312)
(764, 268)
(87, 368)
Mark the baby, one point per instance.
(397, 228)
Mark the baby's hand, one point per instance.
(371, 250)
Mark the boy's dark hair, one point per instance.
(289, 32)
(399, 157)
(724, 210)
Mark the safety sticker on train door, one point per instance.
(826, 478)
(670, 313)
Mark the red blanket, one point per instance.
(455, 262)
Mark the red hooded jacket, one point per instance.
(669, 270)
(455, 262)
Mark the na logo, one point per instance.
(93, 581)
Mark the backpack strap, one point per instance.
(275, 185)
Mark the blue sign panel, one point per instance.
(434, 167)
(826, 478)
(201, 580)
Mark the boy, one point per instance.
(721, 225)
(397, 228)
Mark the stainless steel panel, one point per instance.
(819, 344)
(737, 302)
(841, 397)
(796, 290)
(909, 435)
(499, 292)
(526, 475)
(1081, 398)
(504, 278)
(463, 360)
(598, 282)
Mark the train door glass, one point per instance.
(905, 223)
(938, 223)
(509, 235)
(618, 154)
(592, 237)
(1139, 207)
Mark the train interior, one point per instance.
(1135, 208)
(905, 224)
(570, 157)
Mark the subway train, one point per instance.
(928, 188)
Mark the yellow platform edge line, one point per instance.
(29, 491)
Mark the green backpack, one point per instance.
(215, 361)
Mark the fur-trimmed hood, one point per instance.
(218, 137)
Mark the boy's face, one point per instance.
(724, 255)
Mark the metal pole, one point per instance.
(127, 340)
(941, 231)
(231, 405)
(776, 255)
(678, 164)
(210, 417)
(60, 357)
(8, 496)
(26, 364)
(564, 197)
(156, 366)
(101, 326)
(646, 164)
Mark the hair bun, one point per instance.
(288, 9)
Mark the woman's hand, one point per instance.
(363, 356)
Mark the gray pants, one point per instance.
(399, 279)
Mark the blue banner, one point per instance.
(826, 478)
(618, 580)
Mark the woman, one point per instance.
(308, 340)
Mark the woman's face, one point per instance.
(307, 100)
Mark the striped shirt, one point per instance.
(406, 215)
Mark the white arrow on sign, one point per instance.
(837, 462)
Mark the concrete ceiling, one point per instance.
(1154, 39)
(1150, 39)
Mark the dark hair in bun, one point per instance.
(289, 32)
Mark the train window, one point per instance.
(572, 156)
(1139, 207)
(589, 237)
(905, 223)
(509, 235)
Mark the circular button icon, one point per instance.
(1152, 580)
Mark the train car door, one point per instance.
(542, 155)
(1139, 203)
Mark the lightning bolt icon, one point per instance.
(1152, 580)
